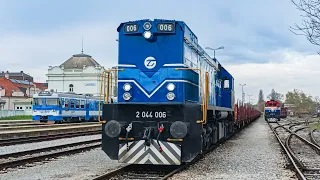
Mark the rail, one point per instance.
(299, 173)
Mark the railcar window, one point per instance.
(78, 104)
(52, 102)
(71, 103)
(82, 104)
(66, 102)
(226, 84)
(37, 101)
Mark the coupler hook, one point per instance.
(146, 136)
(161, 128)
(128, 129)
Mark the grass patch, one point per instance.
(16, 117)
(315, 126)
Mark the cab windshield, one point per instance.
(52, 101)
(37, 101)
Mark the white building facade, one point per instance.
(80, 74)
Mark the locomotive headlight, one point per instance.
(147, 34)
(178, 129)
(171, 87)
(126, 96)
(126, 87)
(170, 96)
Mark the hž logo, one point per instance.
(150, 62)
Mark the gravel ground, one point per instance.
(86, 165)
(254, 153)
(316, 135)
(36, 145)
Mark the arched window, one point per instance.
(71, 87)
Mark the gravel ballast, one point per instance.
(254, 153)
(86, 165)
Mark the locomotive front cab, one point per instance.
(272, 111)
(158, 105)
(46, 107)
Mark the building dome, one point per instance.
(79, 61)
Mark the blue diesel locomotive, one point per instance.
(58, 107)
(174, 100)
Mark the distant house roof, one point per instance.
(9, 86)
(2, 74)
(77, 61)
(21, 82)
(42, 86)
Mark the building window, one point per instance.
(71, 87)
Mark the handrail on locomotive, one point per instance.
(106, 74)
(205, 91)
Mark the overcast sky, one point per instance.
(260, 51)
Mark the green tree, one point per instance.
(303, 101)
(261, 96)
(275, 96)
(261, 101)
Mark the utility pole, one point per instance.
(243, 96)
(214, 50)
(249, 98)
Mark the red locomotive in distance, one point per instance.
(283, 112)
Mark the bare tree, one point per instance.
(310, 26)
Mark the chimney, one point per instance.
(6, 75)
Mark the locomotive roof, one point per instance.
(167, 20)
(270, 101)
(183, 25)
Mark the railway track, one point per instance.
(7, 142)
(314, 140)
(297, 141)
(3, 125)
(142, 172)
(135, 171)
(26, 157)
(13, 127)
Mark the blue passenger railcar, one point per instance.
(174, 100)
(60, 107)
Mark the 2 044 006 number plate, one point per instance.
(151, 114)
